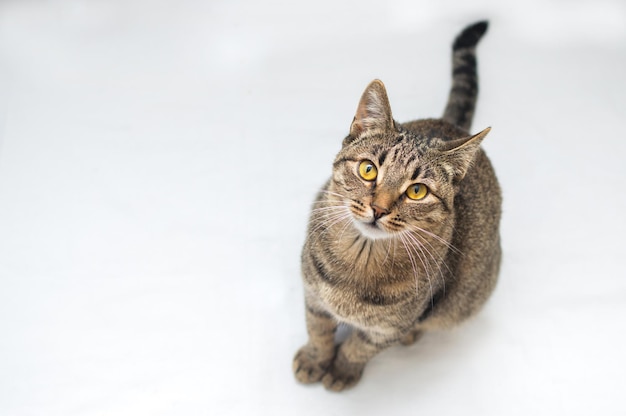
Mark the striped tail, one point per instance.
(464, 91)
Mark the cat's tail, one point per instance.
(464, 91)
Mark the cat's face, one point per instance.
(391, 185)
(396, 181)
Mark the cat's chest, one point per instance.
(382, 306)
(375, 296)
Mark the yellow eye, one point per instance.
(367, 170)
(417, 191)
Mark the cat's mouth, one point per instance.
(371, 229)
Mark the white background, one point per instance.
(158, 160)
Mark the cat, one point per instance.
(404, 237)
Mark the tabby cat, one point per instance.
(403, 238)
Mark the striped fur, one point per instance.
(388, 266)
(462, 98)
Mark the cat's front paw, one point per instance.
(411, 337)
(310, 364)
(343, 374)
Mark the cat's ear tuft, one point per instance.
(374, 111)
(460, 153)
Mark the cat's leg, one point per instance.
(352, 356)
(313, 359)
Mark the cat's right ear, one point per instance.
(373, 112)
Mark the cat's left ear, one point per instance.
(460, 153)
(373, 112)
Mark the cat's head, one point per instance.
(395, 179)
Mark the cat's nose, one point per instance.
(379, 211)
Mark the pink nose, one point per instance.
(379, 211)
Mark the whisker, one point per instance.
(327, 221)
(333, 193)
(343, 230)
(388, 250)
(413, 264)
(393, 255)
(331, 208)
(436, 237)
(313, 238)
(439, 263)
(427, 267)
(324, 218)
(326, 201)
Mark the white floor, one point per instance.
(157, 162)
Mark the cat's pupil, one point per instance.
(368, 169)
